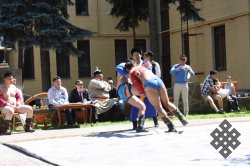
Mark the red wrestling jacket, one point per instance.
(136, 81)
(3, 100)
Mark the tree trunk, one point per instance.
(153, 30)
(182, 41)
(133, 22)
(134, 35)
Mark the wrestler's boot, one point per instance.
(134, 124)
(169, 123)
(180, 117)
(29, 125)
(6, 128)
(140, 127)
(156, 121)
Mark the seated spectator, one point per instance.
(224, 93)
(58, 95)
(19, 90)
(11, 102)
(79, 94)
(112, 92)
(209, 92)
(232, 93)
(99, 95)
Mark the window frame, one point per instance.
(83, 58)
(28, 68)
(81, 11)
(141, 43)
(64, 65)
(219, 48)
(121, 54)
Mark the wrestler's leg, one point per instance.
(154, 99)
(171, 107)
(136, 102)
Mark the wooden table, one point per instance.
(82, 106)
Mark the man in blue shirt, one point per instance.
(58, 95)
(209, 92)
(182, 72)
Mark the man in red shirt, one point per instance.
(11, 102)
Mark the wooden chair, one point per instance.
(18, 119)
(40, 108)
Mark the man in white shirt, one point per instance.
(58, 95)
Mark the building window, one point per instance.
(220, 48)
(84, 60)
(120, 51)
(82, 7)
(28, 64)
(1, 56)
(62, 64)
(141, 43)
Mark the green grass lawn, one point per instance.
(243, 112)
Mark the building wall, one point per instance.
(235, 15)
(102, 48)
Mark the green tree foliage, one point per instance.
(131, 13)
(187, 10)
(39, 23)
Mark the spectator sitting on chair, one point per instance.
(112, 92)
(99, 95)
(58, 95)
(232, 93)
(209, 92)
(79, 94)
(19, 90)
(11, 102)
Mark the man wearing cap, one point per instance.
(99, 94)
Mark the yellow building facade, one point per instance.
(103, 46)
(222, 42)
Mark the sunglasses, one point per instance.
(183, 59)
(111, 83)
(79, 84)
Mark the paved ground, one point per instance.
(118, 145)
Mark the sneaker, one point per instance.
(221, 112)
(238, 109)
(157, 125)
(231, 110)
(184, 122)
